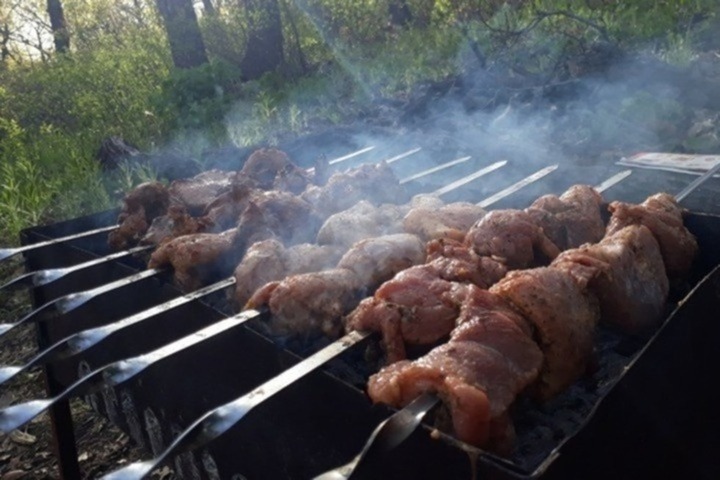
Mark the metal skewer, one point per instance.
(116, 373)
(86, 339)
(44, 277)
(9, 252)
(72, 301)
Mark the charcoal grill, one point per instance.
(657, 420)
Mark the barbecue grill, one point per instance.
(648, 413)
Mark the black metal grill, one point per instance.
(657, 422)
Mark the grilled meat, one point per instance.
(302, 303)
(362, 220)
(511, 237)
(489, 359)
(375, 183)
(272, 168)
(269, 260)
(572, 219)
(416, 307)
(192, 255)
(374, 260)
(175, 223)
(453, 261)
(444, 221)
(309, 302)
(663, 216)
(632, 285)
(563, 314)
(198, 192)
(141, 206)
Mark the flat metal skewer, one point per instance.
(114, 374)
(72, 301)
(9, 252)
(44, 277)
(83, 341)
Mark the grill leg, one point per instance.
(63, 431)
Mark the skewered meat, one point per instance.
(224, 212)
(663, 216)
(198, 192)
(489, 359)
(631, 285)
(269, 260)
(374, 260)
(141, 206)
(448, 221)
(287, 216)
(453, 261)
(309, 302)
(272, 168)
(191, 255)
(305, 302)
(175, 223)
(572, 219)
(564, 315)
(416, 307)
(376, 183)
(512, 237)
(361, 221)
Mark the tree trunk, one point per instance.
(58, 26)
(400, 13)
(181, 24)
(208, 7)
(264, 50)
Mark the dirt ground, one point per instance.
(28, 453)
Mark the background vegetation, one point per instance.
(117, 77)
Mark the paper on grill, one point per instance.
(693, 164)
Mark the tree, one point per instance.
(400, 13)
(183, 32)
(58, 26)
(264, 50)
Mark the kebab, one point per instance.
(616, 288)
(215, 247)
(219, 420)
(16, 415)
(397, 258)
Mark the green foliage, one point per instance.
(197, 98)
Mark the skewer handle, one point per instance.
(9, 252)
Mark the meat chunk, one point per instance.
(175, 223)
(511, 237)
(225, 210)
(376, 183)
(489, 359)
(631, 285)
(415, 307)
(198, 192)
(194, 257)
(272, 168)
(564, 315)
(269, 260)
(279, 214)
(140, 207)
(572, 219)
(663, 216)
(453, 261)
(362, 220)
(309, 302)
(375, 260)
(448, 221)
